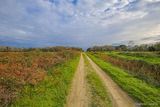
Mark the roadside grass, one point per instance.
(143, 70)
(19, 69)
(53, 90)
(98, 92)
(144, 94)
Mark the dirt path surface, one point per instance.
(119, 97)
(78, 96)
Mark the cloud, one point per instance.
(77, 22)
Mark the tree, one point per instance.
(151, 48)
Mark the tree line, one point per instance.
(142, 47)
(45, 49)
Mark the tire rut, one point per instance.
(119, 97)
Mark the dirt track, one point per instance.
(119, 97)
(78, 95)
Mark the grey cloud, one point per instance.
(44, 22)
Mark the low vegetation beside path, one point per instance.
(27, 78)
(144, 94)
(53, 90)
(144, 67)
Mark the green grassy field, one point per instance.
(98, 92)
(148, 57)
(52, 91)
(143, 93)
(135, 64)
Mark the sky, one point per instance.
(82, 23)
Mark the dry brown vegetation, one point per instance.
(26, 68)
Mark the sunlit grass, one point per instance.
(52, 91)
(139, 90)
(150, 58)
